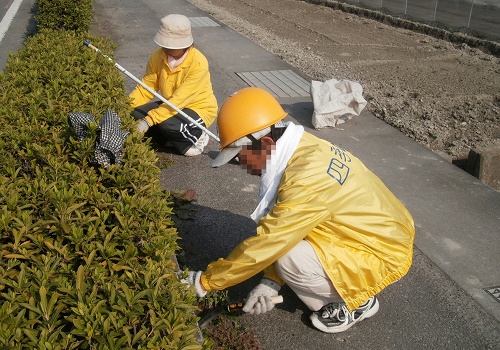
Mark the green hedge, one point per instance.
(73, 15)
(85, 260)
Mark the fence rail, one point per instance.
(479, 18)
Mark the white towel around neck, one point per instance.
(275, 167)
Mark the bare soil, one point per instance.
(445, 94)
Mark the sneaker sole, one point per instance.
(193, 153)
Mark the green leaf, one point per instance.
(90, 258)
(127, 292)
(43, 299)
(32, 334)
(139, 335)
(117, 267)
(80, 278)
(32, 308)
(50, 306)
(96, 308)
(14, 256)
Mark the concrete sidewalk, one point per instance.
(443, 303)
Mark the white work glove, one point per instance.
(259, 300)
(142, 125)
(194, 279)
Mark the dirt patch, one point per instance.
(227, 333)
(444, 94)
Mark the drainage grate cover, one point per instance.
(494, 292)
(202, 22)
(280, 83)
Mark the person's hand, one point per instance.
(142, 125)
(259, 300)
(194, 279)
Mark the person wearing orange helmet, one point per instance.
(181, 73)
(326, 225)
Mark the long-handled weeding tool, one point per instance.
(163, 99)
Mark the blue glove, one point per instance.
(260, 299)
(194, 279)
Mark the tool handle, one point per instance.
(88, 44)
(277, 299)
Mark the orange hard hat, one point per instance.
(247, 111)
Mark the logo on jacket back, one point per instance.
(338, 169)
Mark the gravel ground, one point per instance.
(443, 94)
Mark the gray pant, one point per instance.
(302, 271)
(177, 130)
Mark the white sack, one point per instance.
(335, 102)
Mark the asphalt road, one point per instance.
(15, 27)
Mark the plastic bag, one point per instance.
(335, 102)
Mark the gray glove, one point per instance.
(259, 300)
(142, 125)
(194, 279)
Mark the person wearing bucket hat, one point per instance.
(181, 73)
(326, 225)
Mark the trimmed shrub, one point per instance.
(65, 15)
(86, 251)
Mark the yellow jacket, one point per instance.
(360, 231)
(187, 86)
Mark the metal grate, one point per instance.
(494, 292)
(202, 22)
(281, 83)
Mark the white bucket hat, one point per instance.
(175, 32)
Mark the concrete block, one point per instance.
(484, 163)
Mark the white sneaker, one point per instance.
(199, 146)
(336, 318)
